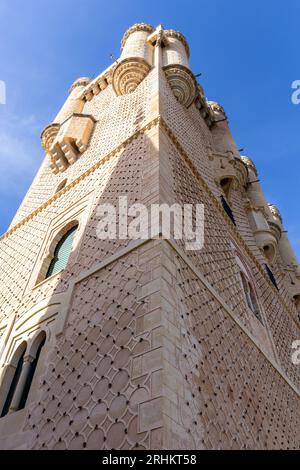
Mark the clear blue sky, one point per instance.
(246, 51)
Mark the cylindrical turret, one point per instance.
(176, 66)
(285, 249)
(254, 190)
(260, 216)
(176, 49)
(74, 103)
(55, 139)
(223, 141)
(134, 43)
(289, 259)
(136, 59)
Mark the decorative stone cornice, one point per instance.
(182, 83)
(99, 84)
(83, 81)
(202, 105)
(64, 142)
(216, 108)
(134, 28)
(129, 74)
(48, 135)
(171, 33)
(249, 164)
(200, 92)
(275, 229)
(275, 211)
(241, 171)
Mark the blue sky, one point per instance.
(246, 51)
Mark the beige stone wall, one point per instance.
(148, 345)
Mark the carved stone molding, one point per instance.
(275, 211)
(275, 229)
(97, 86)
(48, 136)
(171, 33)
(249, 164)
(83, 81)
(217, 110)
(203, 106)
(182, 83)
(64, 143)
(136, 27)
(129, 74)
(241, 171)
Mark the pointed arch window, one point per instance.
(62, 252)
(250, 296)
(248, 286)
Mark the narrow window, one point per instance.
(250, 297)
(271, 276)
(246, 290)
(62, 253)
(14, 380)
(226, 185)
(269, 252)
(30, 375)
(61, 185)
(227, 209)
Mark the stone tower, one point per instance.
(123, 344)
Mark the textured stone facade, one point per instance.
(149, 345)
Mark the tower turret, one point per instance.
(259, 214)
(229, 169)
(223, 141)
(74, 103)
(288, 257)
(68, 136)
(176, 67)
(136, 59)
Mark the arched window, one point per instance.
(269, 251)
(62, 253)
(35, 353)
(250, 296)
(19, 375)
(12, 377)
(226, 185)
